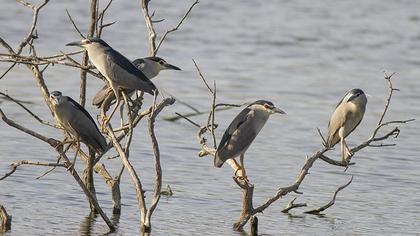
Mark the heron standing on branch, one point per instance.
(347, 116)
(242, 131)
(150, 66)
(117, 69)
(77, 121)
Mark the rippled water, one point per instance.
(302, 55)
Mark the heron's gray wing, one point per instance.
(101, 95)
(336, 122)
(85, 127)
(238, 136)
(82, 109)
(126, 64)
(239, 119)
(126, 75)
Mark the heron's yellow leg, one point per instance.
(244, 177)
(117, 103)
(343, 151)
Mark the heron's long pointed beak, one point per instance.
(76, 43)
(172, 67)
(277, 110)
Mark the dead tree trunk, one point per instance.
(88, 179)
(5, 220)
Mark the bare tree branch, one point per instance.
(149, 24)
(156, 154)
(101, 25)
(85, 59)
(176, 27)
(133, 174)
(74, 25)
(29, 111)
(30, 36)
(50, 141)
(7, 71)
(328, 205)
(5, 220)
(15, 165)
(292, 205)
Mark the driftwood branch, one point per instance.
(133, 174)
(85, 59)
(328, 205)
(153, 48)
(15, 165)
(176, 26)
(5, 220)
(218, 107)
(149, 25)
(28, 110)
(101, 16)
(292, 205)
(74, 24)
(156, 155)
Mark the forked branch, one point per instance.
(329, 204)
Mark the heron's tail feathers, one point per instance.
(101, 144)
(101, 95)
(217, 161)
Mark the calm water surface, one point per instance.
(302, 55)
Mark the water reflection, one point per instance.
(88, 225)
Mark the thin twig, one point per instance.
(74, 25)
(176, 27)
(29, 111)
(292, 205)
(15, 165)
(7, 71)
(188, 119)
(101, 26)
(202, 77)
(328, 205)
(149, 24)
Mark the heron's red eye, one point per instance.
(266, 106)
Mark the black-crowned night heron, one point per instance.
(150, 66)
(77, 121)
(242, 131)
(347, 116)
(117, 69)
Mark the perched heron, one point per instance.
(77, 121)
(117, 69)
(150, 66)
(347, 116)
(242, 131)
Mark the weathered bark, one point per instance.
(5, 220)
(254, 226)
(85, 59)
(88, 179)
